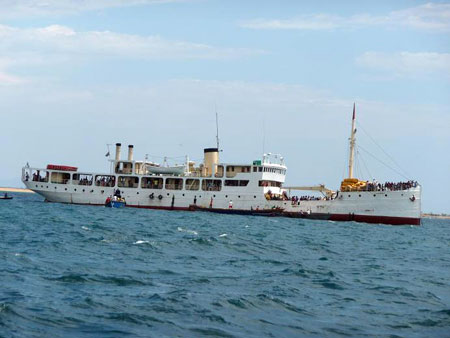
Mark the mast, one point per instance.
(217, 130)
(352, 144)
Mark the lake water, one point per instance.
(81, 271)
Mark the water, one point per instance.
(80, 271)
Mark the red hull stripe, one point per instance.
(329, 217)
(376, 219)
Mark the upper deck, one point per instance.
(211, 174)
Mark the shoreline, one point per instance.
(6, 189)
(436, 216)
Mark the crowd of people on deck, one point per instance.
(270, 196)
(105, 181)
(392, 186)
(38, 178)
(85, 181)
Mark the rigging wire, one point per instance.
(365, 165)
(381, 148)
(359, 167)
(388, 166)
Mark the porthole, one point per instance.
(359, 195)
(254, 196)
(374, 195)
(385, 195)
(47, 186)
(84, 190)
(226, 196)
(103, 191)
(75, 189)
(239, 196)
(183, 194)
(137, 193)
(92, 190)
(55, 188)
(214, 196)
(65, 189)
(168, 194)
(402, 194)
(348, 195)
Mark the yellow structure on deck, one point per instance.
(353, 184)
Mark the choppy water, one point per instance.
(80, 271)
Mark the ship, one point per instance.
(253, 188)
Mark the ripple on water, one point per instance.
(71, 271)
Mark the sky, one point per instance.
(282, 76)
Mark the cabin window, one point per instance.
(211, 185)
(236, 169)
(174, 183)
(266, 183)
(39, 176)
(128, 182)
(192, 184)
(231, 183)
(82, 179)
(105, 181)
(124, 167)
(260, 169)
(219, 172)
(60, 178)
(152, 183)
(236, 183)
(255, 169)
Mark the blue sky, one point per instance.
(76, 75)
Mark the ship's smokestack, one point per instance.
(118, 146)
(130, 153)
(211, 160)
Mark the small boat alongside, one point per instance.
(6, 197)
(116, 201)
(271, 212)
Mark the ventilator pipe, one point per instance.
(118, 146)
(130, 153)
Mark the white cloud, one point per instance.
(32, 8)
(431, 16)
(64, 40)
(406, 63)
(7, 78)
(56, 44)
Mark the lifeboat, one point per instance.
(61, 167)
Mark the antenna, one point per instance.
(264, 134)
(217, 127)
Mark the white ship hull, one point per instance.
(390, 207)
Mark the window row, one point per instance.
(133, 181)
(269, 170)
